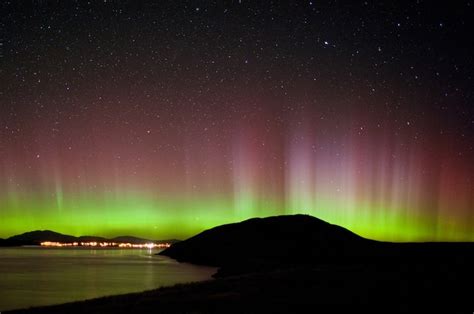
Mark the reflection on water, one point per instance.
(33, 276)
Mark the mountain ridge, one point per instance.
(37, 236)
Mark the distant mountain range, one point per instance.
(38, 236)
(282, 241)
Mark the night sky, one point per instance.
(163, 119)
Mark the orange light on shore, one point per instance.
(58, 244)
(106, 244)
(147, 245)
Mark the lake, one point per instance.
(34, 276)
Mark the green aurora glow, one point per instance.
(141, 215)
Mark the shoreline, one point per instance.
(36, 277)
(400, 288)
(121, 295)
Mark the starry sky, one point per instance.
(164, 118)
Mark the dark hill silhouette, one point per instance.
(91, 239)
(130, 239)
(136, 240)
(267, 243)
(293, 239)
(36, 237)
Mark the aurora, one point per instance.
(166, 130)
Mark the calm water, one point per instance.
(32, 276)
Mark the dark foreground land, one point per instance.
(407, 288)
(300, 264)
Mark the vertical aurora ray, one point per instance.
(376, 191)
